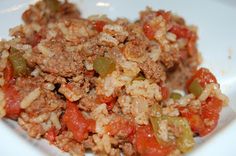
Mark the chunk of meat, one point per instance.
(52, 58)
(153, 70)
(169, 59)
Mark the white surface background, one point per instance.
(216, 20)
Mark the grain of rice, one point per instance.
(145, 89)
(49, 86)
(171, 37)
(2, 104)
(107, 40)
(155, 53)
(184, 100)
(27, 100)
(40, 118)
(69, 94)
(55, 120)
(116, 29)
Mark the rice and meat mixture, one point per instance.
(107, 86)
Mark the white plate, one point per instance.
(216, 21)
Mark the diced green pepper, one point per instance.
(104, 65)
(175, 95)
(18, 63)
(155, 122)
(195, 88)
(184, 140)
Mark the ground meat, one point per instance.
(74, 90)
(87, 103)
(169, 59)
(153, 70)
(177, 79)
(66, 142)
(47, 101)
(89, 143)
(56, 61)
(25, 85)
(43, 12)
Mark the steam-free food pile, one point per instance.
(107, 86)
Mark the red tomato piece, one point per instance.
(191, 46)
(98, 25)
(76, 123)
(8, 74)
(12, 96)
(51, 134)
(147, 144)
(148, 31)
(210, 113)
(121, 126)
(13, 99)
(204, 121)
(181, 32)
(194, 119)
(164, 93)
(204, 77)
(109, 101)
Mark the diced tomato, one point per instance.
(147, 144)
(8, 74)
(164, 93)
(76, 123)
(164, 14)
(194, 119)
(12, 106)
(181, 32)
(122, 127)
(98, 25)
(109, 101)
(205, 120)
(191, 46)
(210, 113)
(12, 96)
(204, 77)
(51, 134)
(148, 31)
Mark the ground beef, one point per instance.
(153, 70)
(169, 59)
(59, 62)
(87, 103)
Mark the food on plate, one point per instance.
(108, 86)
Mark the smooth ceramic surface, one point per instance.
(216, 21)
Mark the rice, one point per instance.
(185, 100)
(145, 89)
(107, 40)
(44, 50)
(27, 100)
(122, 104)
(69, 93)
(54, 119)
